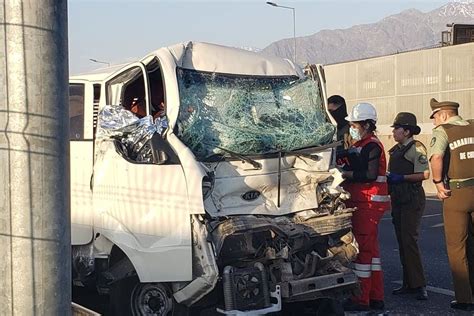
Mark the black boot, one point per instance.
(404, 289)
(421, 293)
(350, 306)
(377, 305)
(462, 306)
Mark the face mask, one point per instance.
(355, 134)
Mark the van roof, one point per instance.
(210, 58)
(222, 59)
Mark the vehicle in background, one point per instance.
(457, 34)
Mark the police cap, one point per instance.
(407, 120)
(443, 105)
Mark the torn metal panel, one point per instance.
(205, 270)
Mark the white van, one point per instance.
(237, 209)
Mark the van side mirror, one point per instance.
(161, 151)
(159, 157)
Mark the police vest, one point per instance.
(405, 192)
(397, 162)
(459, 156)
(374, 194)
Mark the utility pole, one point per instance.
(35, 264)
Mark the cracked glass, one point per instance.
(250, 115)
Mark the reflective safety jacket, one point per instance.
(373, 195)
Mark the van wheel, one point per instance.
(130, 297)
(329, 307)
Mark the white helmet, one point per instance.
(361, 112)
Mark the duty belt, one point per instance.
(459, 184)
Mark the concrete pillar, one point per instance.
(35, 267)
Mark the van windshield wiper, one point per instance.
(235, 155)
(295, 153)
(309, 156)
(314, 149)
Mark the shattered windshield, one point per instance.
(249, 115)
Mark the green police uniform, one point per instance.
(455, 141)
(408, 201)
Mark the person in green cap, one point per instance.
(452, 165)
(407, 168)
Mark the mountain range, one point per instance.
(411, 29)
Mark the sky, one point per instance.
(117, 31)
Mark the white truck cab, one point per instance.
(234, 205)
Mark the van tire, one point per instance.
(129, 297)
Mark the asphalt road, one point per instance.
(435, 260)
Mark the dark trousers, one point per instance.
(458, 213)
(406, 218)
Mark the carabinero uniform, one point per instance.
(408, 204)
(455, 138)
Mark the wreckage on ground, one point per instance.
(204, 176)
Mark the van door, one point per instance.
(142, 207)
(82, 100)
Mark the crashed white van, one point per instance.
(220, 192)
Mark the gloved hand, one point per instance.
(394, 178)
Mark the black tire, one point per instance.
(129, 297)
(329, 307)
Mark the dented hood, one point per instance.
(240, 189)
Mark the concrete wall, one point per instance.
(407, 82)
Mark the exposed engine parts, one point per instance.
(289, 253)
(246, 288)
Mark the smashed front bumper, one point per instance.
(332, 285)
(306, 257)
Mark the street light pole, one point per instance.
(273, 4)
(99, 62)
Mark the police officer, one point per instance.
(452, 161)
(407, 168)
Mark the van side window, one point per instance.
(96, 105)
(76, 111)
(128, 90)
